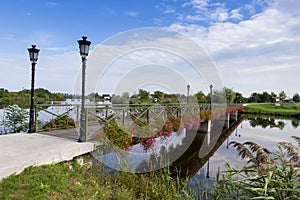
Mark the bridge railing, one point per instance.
(124, 114)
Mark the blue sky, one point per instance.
(254, 44)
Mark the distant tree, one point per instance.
(144, 94)
(116, 99)
(158, 94)
(40, 92)
(98, 97)
(230, 95)
(273, 97)
(254, 98)
(265, 97)
(125, 95)
(91, 96)
(282, 95)
(239, 98)
(201, 98)
(58, 97)
(5, 98)
(296, 97)
(218, 96)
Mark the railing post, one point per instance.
(106, 112)
(123, 118)
(148, 120)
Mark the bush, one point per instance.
(16, 119)
(60, 122)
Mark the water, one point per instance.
(267, 137)
(266, 132)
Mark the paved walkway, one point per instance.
(21, 150)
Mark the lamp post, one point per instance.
(210, 87)
(84, 45)
(188, 94)
(33, 56)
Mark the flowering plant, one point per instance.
(117, 135)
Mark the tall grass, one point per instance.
(266, 175)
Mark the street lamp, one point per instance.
(210, 87)
(188, 94)
(84, 51)
(33, 56)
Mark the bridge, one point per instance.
(133, 121)
(128, 115)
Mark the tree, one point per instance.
(282, 95)
(5, 99)
(230, 95)
(144, 94)
(16, 119)
(158, 94)
(239, 98)
(125, 95)
(254, 98)
(58, 97)
(273, 97)
(265, 97)
(201, 98)
(296, 98)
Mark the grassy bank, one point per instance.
(71, 180)
(279, 109)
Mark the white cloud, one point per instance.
(234, 14)
(131, 13)
(53, 4)
(205, 11)
(223, 16)
(261, 53)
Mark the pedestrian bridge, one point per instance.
(126, 116)
(19, 151)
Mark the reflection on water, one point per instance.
(266, 122)
(264, 131)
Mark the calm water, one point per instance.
(264, 131)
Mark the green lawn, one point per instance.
(288, 109)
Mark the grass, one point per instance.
(283, 109)
(71, 180)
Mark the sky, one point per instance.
(249, 46)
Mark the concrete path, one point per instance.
(18, 151)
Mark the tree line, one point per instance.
(22, 98)
(44, 96)
(226, 95)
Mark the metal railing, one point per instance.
(124, 114)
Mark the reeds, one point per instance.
(266, 175)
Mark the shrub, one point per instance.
(60, 122)
(16, 119)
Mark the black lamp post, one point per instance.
(188, 94)
(84, 46)
(33, 55)
(210, 103)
